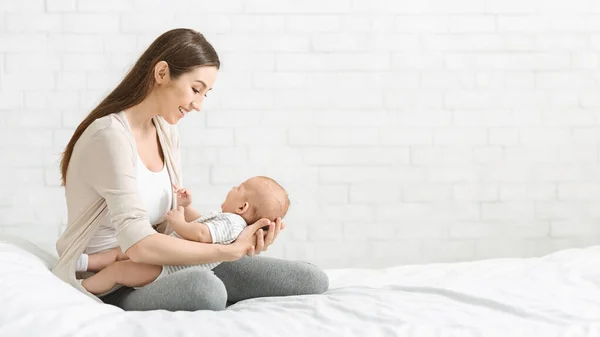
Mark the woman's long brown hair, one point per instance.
(182, 49)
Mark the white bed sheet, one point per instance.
(556, 295)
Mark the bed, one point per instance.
(553, 295)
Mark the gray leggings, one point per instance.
(202, 289)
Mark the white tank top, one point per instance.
(155, 190)
(156, 193)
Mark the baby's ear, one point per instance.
(243, 209)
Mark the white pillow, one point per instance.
(17, 244)
(33, 301)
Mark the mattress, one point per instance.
(554, 295)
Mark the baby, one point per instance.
(256, 198)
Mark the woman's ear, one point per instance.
(161, 72)
(243, 209)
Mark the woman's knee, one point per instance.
(256, 276)
(316, 280)
(201, 290)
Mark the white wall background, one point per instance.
(404, 131)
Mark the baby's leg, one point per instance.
(126, 272)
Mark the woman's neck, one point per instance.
(140, 116)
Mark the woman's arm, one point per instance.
(107, 164)
(160, 249)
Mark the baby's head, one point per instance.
(256, 198)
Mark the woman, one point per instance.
(118, 170)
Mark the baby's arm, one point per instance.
(193, 231)
(184, 198)
(191, 214)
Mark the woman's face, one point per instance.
(178, 97)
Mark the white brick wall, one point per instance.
(404, 131)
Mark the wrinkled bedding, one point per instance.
(554, 295)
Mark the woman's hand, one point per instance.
(253, 240)
(245, 243)
(265, 239)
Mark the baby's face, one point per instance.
(235, 198)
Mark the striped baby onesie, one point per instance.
(224, 229)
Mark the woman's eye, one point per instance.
(195, 91)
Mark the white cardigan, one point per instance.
(101, 181)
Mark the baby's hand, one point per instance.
(176, 215)
(184, 196)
